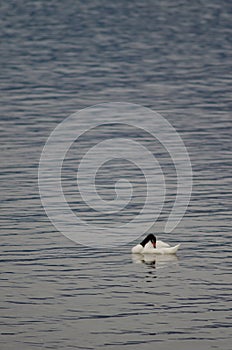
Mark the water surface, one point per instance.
(57, 58)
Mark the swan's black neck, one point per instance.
(150, 237)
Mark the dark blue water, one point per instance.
(58, 57)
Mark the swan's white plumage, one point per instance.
(159, 244)
(137, 249)
(161, 248)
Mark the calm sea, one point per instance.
(57, 57)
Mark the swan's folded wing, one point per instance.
(163, 250)
(173, 250)
(137, 249)
(161, 244)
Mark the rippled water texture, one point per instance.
(58, 57)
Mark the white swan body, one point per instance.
(137, 249)
(161, 248)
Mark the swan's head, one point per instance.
(149, 238)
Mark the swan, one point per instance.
(151, 246)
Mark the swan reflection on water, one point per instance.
(157, 261)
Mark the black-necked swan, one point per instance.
(151, 246)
